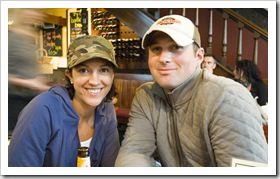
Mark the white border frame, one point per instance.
(269, 170)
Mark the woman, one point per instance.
(56, 123)
(247, 73)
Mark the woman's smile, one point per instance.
(94, 91)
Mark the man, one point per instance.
(209, 63)
(187, 117)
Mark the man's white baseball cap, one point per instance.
(179, 28)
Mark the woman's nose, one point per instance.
(94, 78)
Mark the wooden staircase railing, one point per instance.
(250, 41)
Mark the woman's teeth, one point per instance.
(94, 91)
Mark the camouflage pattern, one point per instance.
(89, 47)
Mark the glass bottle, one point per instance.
(83, 159)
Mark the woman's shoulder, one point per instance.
(259, 83)
(53, 95)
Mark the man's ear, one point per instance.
(200, 55)
(214, 66)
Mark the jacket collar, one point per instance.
(180, 94)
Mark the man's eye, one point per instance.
(155, 49)
(175, 47)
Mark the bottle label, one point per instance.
(83, 162)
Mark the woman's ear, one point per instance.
(68, 74)
(242, 77)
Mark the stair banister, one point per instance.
(210, 32)
(239, 52)
(256, 46)
(224, 50)
(197, 17)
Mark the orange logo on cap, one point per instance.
(168, 21)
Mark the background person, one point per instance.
(25, 81)
(247, 73)
(56, 123)
(209, 62)
(187, 117)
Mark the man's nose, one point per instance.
(165, 56)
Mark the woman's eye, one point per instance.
(104, 70)
(83, 70)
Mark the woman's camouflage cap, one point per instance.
(88, 47)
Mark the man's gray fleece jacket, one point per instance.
(205, 122)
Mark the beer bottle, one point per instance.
(83, 159)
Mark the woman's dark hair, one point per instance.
(70, 88)
(250, 70)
